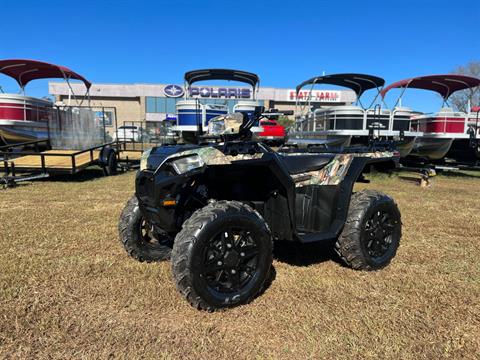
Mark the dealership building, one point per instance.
(153, 103)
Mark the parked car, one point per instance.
(273, 133)
(128, 133)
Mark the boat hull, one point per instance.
(433, 148)
(14, 132)
(462, 150)
(23, 118)
(327, 140)
(405, 146)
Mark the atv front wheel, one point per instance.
(138, 237)
(222, 256)
(372, 232)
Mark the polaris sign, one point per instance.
(209, 92)
(173, 90)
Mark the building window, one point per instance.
(160, 105)
(150, 104)
(170, 105)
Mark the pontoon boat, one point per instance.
(345, 125)
(194, 112)
(24, 118)
(438, 130)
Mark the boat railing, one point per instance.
(474, 127)
(406, 122)
(326, 119)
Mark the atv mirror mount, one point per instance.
(250, 121)
(259, 110)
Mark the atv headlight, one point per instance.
(216, 127)
(144, 159)
(187, 163)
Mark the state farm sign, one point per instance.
(315, 95)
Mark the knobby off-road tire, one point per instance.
(137, 236)
(222, 256)
(372, 232)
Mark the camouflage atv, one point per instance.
(217, 207)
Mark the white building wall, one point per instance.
(157, 90)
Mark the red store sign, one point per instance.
(315, 95)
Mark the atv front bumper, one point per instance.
(158, 194)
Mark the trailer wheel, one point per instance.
(110, 167)
(372, 232)
(138, 237)
(222, 256)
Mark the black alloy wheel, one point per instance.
(230, 260)
(222, 256)
(372, 232)
(379, 229)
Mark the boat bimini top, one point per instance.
(359, 83)
(24, 71)
(222, 74)
(445, 85)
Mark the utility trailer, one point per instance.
(46, 157)
(132, 139)
(38, 159)
(26, 165)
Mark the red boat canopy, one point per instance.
(445, 85)
(24, 71)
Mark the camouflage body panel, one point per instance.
(213, 156)
(225, 124)
(334, 172)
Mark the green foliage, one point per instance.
(460, 99)
(285, 121)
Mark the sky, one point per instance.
(284, 42)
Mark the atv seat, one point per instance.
(297, 164)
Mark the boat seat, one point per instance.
(297, 164)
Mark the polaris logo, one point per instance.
(209, 92)
(173, 91)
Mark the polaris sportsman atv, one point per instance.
(217, 207)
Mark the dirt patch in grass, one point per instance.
(68, 289)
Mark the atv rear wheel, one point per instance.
(372, 232)
(138, 237)
(222, 256)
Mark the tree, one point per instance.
(285, 121)
(460, 99)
